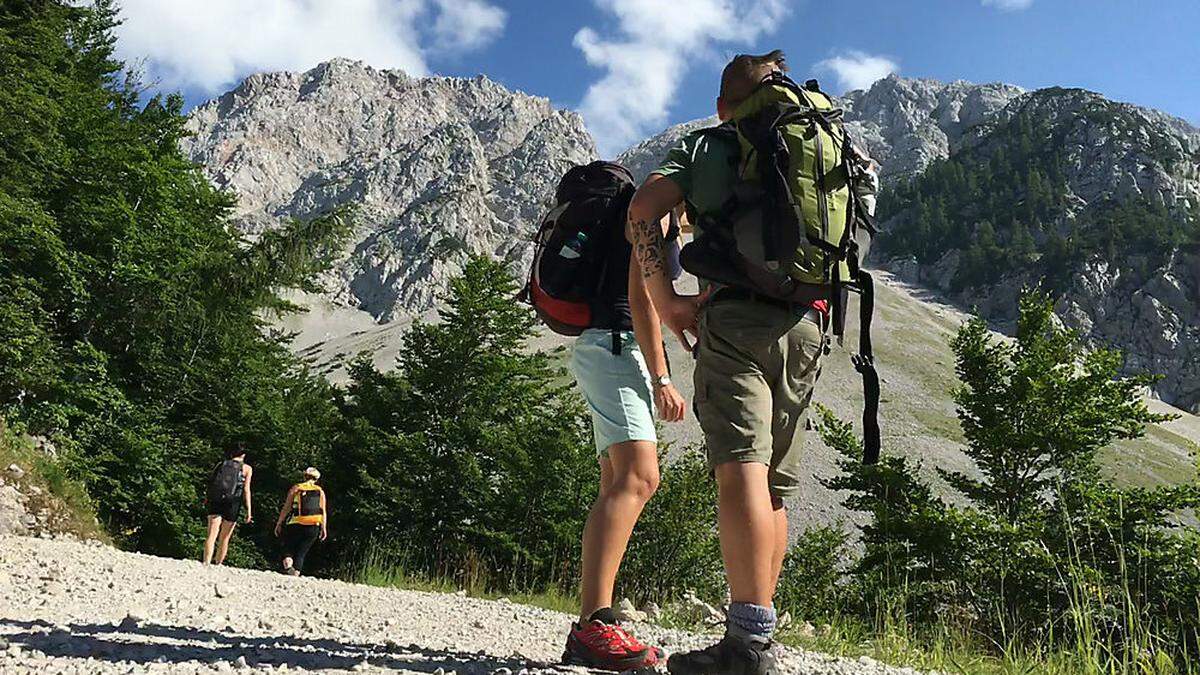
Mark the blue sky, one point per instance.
(635, 66)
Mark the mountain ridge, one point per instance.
(442, 167)
(434, 165)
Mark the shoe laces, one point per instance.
(600, 634)
(633, 643)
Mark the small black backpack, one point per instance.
(227, 481)
(569, 262)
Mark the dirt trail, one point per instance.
(68, 607)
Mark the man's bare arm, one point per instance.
(653, 201)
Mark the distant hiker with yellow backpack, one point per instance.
(228, 493)
(581, 285)
(303, 518)
(776, 197)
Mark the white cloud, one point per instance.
(857, 70)
(209, 44)
(467, 24)
(657, 43)
(1008, 5)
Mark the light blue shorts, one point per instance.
(617, 388)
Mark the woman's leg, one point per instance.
(629, 477)
(226, 534)
(307, 538)
(289, 546)
(210, 542)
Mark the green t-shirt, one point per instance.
(704, 167)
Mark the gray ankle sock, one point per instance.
(750, 623)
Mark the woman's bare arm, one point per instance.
(246, 491)
(285, 509)
(324, 517)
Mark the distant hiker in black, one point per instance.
(306, 514)
(228, 493)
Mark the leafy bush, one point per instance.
(1042, 547)
(811, 585)
(471, 458)
(675, 546)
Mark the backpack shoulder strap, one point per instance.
(722, 130)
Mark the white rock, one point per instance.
(653, 611)
(625, 611)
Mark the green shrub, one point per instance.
(471, 459)
(1040, 548)
(811, 585)
(675, 546)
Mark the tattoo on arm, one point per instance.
(648, 246)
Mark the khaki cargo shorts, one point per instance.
(756, 367)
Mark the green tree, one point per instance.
(1041, 543)
(472, 453)
(134, 327)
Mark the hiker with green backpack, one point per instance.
(780, 202)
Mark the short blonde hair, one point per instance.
(746, 71)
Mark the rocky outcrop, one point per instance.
(906, 124)
(1111, 150)
(1155, 320)
(1111, 154)
(437, 166)
(647, 156)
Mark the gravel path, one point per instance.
(69, 607)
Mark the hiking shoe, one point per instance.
(730, 656)
(596, 644)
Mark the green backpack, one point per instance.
(795, 228)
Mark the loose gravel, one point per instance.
(71, 607)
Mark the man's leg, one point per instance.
(781, 541)
(210, 542)
(791, 395)
(226, 533)
(748, 531)
(629, 477)
(289, 547)
(739, 358)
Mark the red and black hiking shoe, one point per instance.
(605, 646)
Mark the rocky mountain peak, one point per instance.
(908, 123)
(438, 166)
(1114, 150)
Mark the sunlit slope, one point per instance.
(912, 331)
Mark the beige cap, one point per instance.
(312, 473)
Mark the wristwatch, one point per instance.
(661, 380)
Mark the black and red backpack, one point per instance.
(572, 243)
